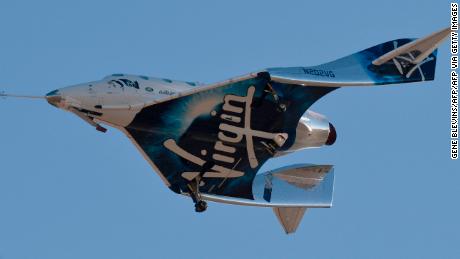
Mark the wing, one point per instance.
(224, 133)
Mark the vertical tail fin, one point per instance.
(420, 48)
(289, 217)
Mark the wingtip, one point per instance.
(425, 45)
(443, 33)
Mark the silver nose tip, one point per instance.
(54, 98)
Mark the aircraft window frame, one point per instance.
(124, 82)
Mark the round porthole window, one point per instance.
(149, 89)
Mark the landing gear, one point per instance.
(269, 90)
(201, 206)
(100, 128)
(195, 194)
(194, 188)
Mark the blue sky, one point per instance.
(68, 191)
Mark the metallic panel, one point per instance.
(312, 131)
(300, 185)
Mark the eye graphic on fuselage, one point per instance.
(122, 82)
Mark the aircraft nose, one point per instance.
(54, 98)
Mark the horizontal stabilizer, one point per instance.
(289, 217)
(419, 49)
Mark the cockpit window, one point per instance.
(130, 83)
(167, 80)
(122, 82)
(144, 77)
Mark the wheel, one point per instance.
(282, 107)
(201, 206)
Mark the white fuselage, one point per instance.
(116, 99)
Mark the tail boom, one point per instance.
(392, 62)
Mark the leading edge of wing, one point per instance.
(146, 157)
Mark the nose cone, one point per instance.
(54, 98)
